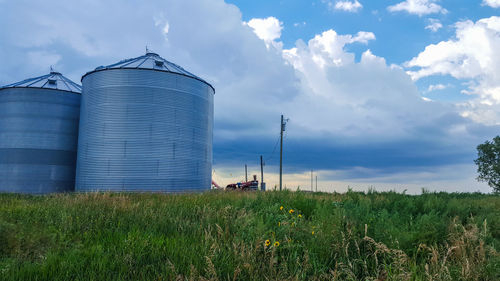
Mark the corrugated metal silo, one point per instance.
(39, 134)
(146, 124)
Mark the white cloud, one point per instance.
(363, 37)
(418, 7)
(163, 24)
(473, 55)
(268, 29)
(348, 6)
(437, 87)
(166, 28)
(434, 25)
(492, 3)
(329, 47)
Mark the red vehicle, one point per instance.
(249, 185)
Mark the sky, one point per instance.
(390, 95)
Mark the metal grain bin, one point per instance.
(146, 125)
(39, 134)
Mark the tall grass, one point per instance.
(232, 236)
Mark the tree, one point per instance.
(488, 163)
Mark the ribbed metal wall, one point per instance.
(144, 130)
(38, 140)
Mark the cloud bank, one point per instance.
(473, 56)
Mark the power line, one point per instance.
(274, 149)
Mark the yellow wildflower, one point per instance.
(276, 244)
(268, 242)
(312, 232)
(291, 211)
(281, 208)
(300, 215)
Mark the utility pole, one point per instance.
(311, 180)
(283, 123)
(281, 152)
(316, 183)
(261, 172)
(246, 175)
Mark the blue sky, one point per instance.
(386, 94)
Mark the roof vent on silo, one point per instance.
(159, 63)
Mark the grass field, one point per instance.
(235, 236)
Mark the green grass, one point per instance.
(222, 236)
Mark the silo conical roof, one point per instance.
(150, 61)
(54, 80)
